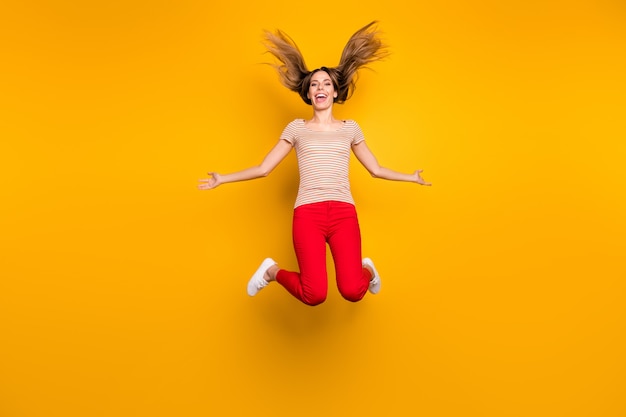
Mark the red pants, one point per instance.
(314, 225)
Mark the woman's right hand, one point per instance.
(210, 183)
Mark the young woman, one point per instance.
(324, 210)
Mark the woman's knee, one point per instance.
(313, 299)
(352, 293)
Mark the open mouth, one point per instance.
(320, 97)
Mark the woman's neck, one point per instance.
(323, 118)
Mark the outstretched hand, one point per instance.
(419, 179)
(210, 183)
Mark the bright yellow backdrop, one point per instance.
(122, 287)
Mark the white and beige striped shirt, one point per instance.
(323, 160)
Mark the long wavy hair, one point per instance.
(363, 48)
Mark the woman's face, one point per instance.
(321, 91)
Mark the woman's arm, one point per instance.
(271, 161)
(367, 158)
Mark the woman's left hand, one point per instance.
(419, 179)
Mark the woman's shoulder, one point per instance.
(351, 124)
(293, 130)
(296, 123)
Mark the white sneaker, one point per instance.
(258, 282)
(375, 281)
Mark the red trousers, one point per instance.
(314, 225)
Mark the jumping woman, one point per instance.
(324, 211)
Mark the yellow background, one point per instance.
(122, 288)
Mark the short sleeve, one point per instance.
(357, 133)
(290, 132)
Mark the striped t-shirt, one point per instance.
(323, 160)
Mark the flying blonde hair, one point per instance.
(363, 48)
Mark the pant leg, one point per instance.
(310, 285)
(345, 245)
